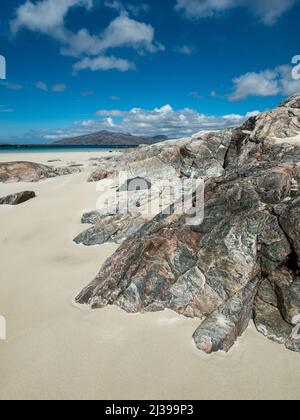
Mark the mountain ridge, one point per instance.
(108, 138)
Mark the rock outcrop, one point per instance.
(18, 198)
(98, 175)
(183, 158)
(241, 262)
(12, 172)
(109, 228)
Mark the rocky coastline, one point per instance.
(241, 263)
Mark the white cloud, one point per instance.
(110, 113)
(41, 86)
(12, 86)
(196, 95)
(110, 122)
(5, 110)
(48, 17)
(137, 9)
(266, 83)
(252, 114)
(121, 7)
(204, 8)
(164, 120)
(267, 11)
(127, 32)
(44, 16)
(186, 49)
(59, 88)
(121, 32)
(104, 64)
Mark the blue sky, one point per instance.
(147, 67)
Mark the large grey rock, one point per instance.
(18, 198)
(293, 343)
(243, 259)
(277, 308)
(269, 322)
(110, 229)
(194, 270)
(31, 172)
(202, 156)
(281, 122)
(98, 175)
(222, 328)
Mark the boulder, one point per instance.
(12, 172)
(18, 198)
(98, 175)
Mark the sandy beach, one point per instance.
(56, 349)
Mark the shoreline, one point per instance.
(62, 149)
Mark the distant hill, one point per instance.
(107, 138)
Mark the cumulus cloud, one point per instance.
(127, 32)
(121, 32)
(267, 11)
(138, 121)
(48, 17)
(266, 83)
(45, 16)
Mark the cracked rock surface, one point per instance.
(241, 262)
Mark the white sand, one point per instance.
(57, 350)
